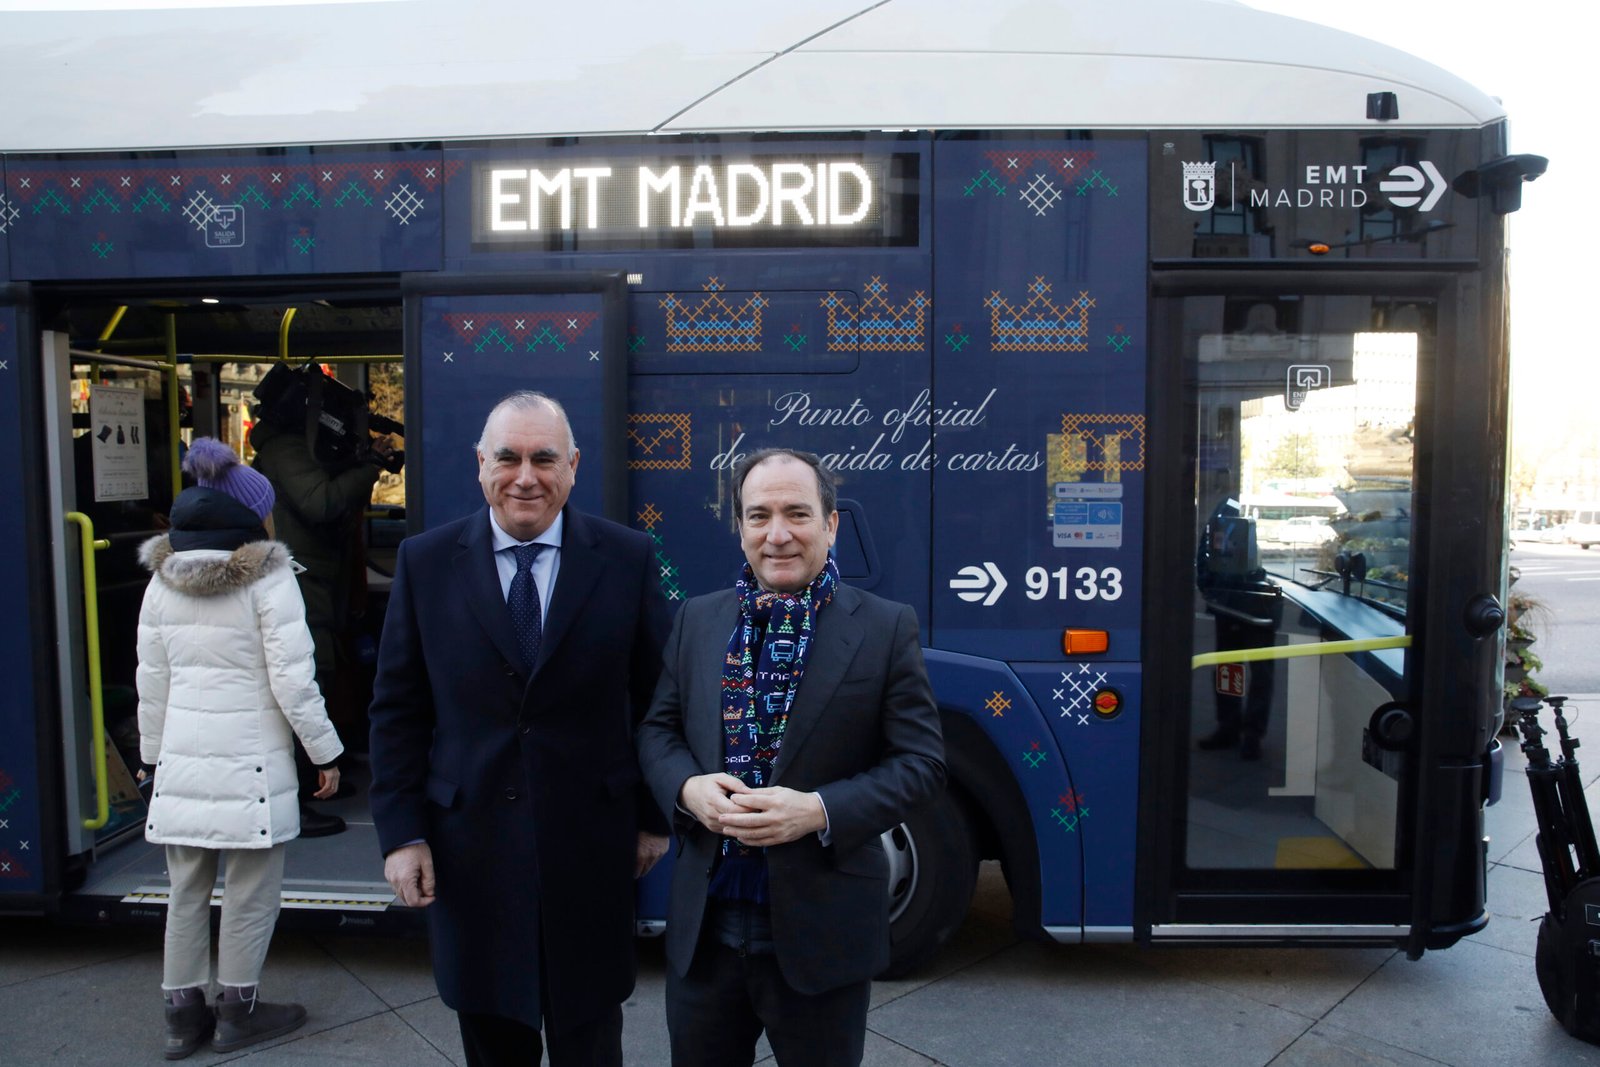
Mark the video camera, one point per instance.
(337, 418)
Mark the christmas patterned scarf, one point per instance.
(760, 676)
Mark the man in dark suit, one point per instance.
(793, 724)
(520, 647)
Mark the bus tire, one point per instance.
(933, 868)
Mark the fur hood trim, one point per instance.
(209, 573)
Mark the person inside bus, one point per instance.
(320, 503)
(794, 723)
(1247, 609)
(225, 681)
(520, 648)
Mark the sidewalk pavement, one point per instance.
(90, 996)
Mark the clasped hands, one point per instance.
(773, 815)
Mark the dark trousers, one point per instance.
(495, 1041)
(734, 991)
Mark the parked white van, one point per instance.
(1583, 529)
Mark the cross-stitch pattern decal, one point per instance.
(1039, 180)
(8, 213)
(714, 323)
(400, 187)
(1075, 696)
(956, 338)
(1035, 756)
(1039, 324)
(666, 571)
(521, 331)
(1069, 810)
(998, 704)
(1101, 442)
(877, 324)
(659, 441)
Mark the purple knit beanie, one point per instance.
(216, 466)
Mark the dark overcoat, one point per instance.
(863, 732)
(527, 790)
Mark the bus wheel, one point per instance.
(933, 867)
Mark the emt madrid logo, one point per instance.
(1417, 186)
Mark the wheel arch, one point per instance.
(980, 779)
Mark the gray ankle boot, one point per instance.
(188, 1027)
(245, 1022)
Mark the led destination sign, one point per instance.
(763, 201)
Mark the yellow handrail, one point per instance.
(1314, 648)
(97, 708)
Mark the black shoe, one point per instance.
(1218, 739)
(188, 1027)
(1250, 747)
(314, 823)
(245, 1022)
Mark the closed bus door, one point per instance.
(1308, 745)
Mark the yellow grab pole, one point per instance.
(1315, 648)
(91, 628)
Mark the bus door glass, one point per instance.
(1302, 461)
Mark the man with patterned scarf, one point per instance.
(793, 724)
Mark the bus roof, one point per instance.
(381, 71)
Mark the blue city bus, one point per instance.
(1051, 288)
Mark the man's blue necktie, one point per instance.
(526, 619)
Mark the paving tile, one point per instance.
(35, 947)
(1516, 902)
(436, 1024)
(1083, 1004)
(1332, 1046)
(986, 931)
(644, 1014)
(93, 1014)
(1473, 1005)
(399, 971)
(380, 1039)
(1308, 982)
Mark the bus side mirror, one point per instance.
(1501, 180)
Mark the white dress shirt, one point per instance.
(545, 567)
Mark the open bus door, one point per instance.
(102, 476)
(1326, 754)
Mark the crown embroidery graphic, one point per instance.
(876, 325)
(713, 323)
(1040, 324)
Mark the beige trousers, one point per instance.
(251, 896)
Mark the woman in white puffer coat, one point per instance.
(226, 673)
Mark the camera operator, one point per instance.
(306, 443)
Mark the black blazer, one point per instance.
(863, 732)
(527, 790)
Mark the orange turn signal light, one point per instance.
(1318, 249)
(1083, 642)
